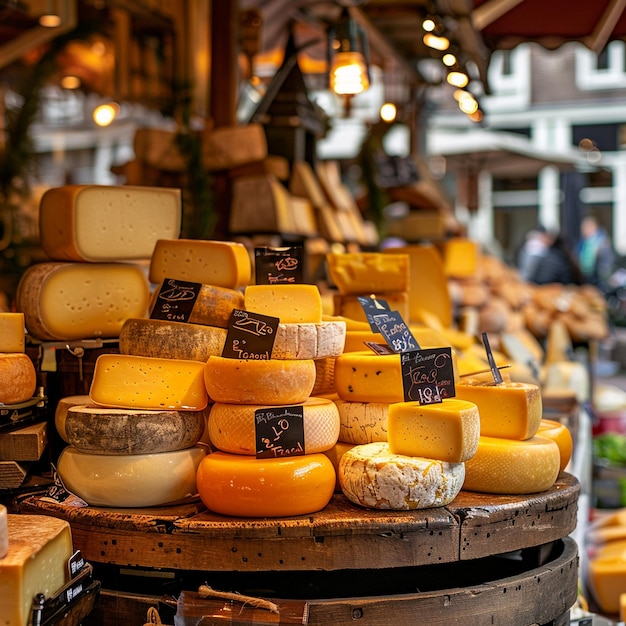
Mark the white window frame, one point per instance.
(590, 78)
(509, 91)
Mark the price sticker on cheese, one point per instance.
(175, 300)
(279, 431)
(395, 331)
(250, 335)
(373, 308)
(427, 375)
(278, 265)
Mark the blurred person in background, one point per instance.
(596, 257)
(557, 264)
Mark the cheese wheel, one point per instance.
(18, 378)
(561, 435)
(171, 340)
(131, 480)
(446, 431)
(63, 406)
(292, 303)
(335, 454)
(137, 382)
(309, 341)
(373, 477)
(361, 273)
(4, 532)
(425, 337)
(244, 486)
(69, 301)
(606, 575)
(101, 430)
(107, 223)
(266, 381)
(510, 466)
(362, 422)
(12, 332)
(219, 263)
(232, 426)
(511, 410)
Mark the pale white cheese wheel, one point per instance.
(135, 480)
(309, 341)
(372, 477)
(362, 422)
(4, 532)
(232, 426)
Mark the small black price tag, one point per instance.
(427, 375)
(395, 331)
(278, 265)
(75, 563)
(379, 348)
(279, 431)
(250, 335)
(373, 307)
(175, 300)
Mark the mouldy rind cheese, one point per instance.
(107, 223)
(131, 480)
(63, 406)
(362, 422)
(373, 477)
(69, 301)
(18, 378)
(290, 303)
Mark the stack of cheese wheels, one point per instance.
(17, 371)
(512, 456)
(234, 480)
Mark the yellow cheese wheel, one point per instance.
(371, 476)
(510, 466)
(606, 575)
(324, 377)
(335, 454)
(60, 412)
(266, 381)
(131, 480)
(244, 486)
(290, 302)
(18, 378)
(561, 435)
(362, 422)
(232, 426)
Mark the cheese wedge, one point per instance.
(131, 480)
(271, 382)
(12, 332)
(244, 486)
(606, 576)
(447, 431)
(69, 301)
(561, 435)
(510, 466)
(39, 547)
(371, 476)
(309, 341)
(18, 378)
(137, 382)
(219, 263)
(232, 426)
(291, 303)
(362, 422)
(107, 223)
(512, 410)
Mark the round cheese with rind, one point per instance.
(18, 378)
(372, 477)
(232, 426)
(362, 422)
(100, 430)
(63, 406)
(309, 341)
(324, 377)
(244, 486)
(561, 435)
(133, 480)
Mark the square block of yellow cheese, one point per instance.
(446, 431)
(291, 303)
(511, 410)
(12, 328)
(36, 562)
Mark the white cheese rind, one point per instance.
(309, 341)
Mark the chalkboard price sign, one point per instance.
(278, 265)
(427, 375)
(250, 335)
(175, 300)
(373, 307)
(279, 431)
(396, 332)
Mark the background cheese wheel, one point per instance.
(60, 412)
(561, 435)
(101, 430)
(510, 466)
(362, 422)
(171, 340)
(68, 301)
(309, 341)
(335, 454)
(244, 486)
(232, 426)
(18, 378)
(373, 477)
(129, 481)
(12, 332)
(324, 377)
(266, 381)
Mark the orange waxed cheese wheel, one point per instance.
(244, 486)
(561, 435)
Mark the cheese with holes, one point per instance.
(362, 422)
(36, 562)
(4, 532)
(244, 486)
(446, 431)
(561, 435)
(362, 273)
(510, 466)
(348, 305)
(107, 223)
(131, 480)
(171, 340)
(606, 575)
(309, 341)
(219, 263)
(60, 412)
(511, 410)
(137, 382)
(371, 476)
(18, 378)
(69, 301)
(101, 430)
(266, 381)
(12, 332)
(291, 303)
(232, 427)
